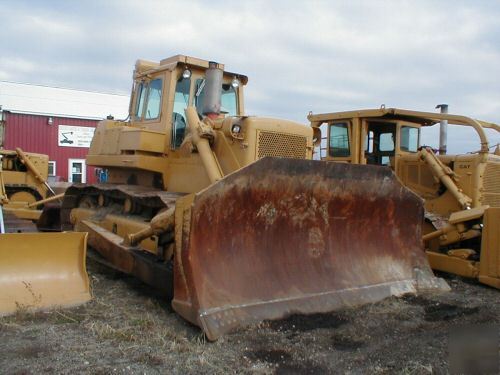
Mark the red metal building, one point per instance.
(57, 122)
(36, 133)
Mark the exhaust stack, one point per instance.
(443, 130)
(213, 87)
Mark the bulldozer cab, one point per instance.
(369, 141)
(163, 91)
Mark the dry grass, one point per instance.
(126, 328)
(417, 368)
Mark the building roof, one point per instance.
(61, 102)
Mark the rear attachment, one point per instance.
(39, 271)
(283, 236)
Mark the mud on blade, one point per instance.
(286, 236)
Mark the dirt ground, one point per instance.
(126, 328)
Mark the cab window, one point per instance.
(228, 100)
(141, 95)
(339, 140)
(181, 101)
(386, 142)
(409, 139)
(154, 99)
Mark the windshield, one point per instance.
(181, 101)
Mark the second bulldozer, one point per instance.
(24, 177)
(461, 192)
(228, 214)
(38, 271)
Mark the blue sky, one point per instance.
(300, 56)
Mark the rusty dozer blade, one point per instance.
(40, 271)
(283, 236)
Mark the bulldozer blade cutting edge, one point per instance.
(40, 271)
(283, 236)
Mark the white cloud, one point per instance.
(47, 25)
(11, 68)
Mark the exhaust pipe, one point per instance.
(201, 131)
(443, 130)
(213, 90)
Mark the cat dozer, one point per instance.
(24, 177)
(228, 214)
(461, 192)
(38, 271)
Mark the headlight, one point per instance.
(186, 73)
(236, 129)
(235, 83)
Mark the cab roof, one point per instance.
(422, 118)
(145, 67)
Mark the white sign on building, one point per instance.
(75, 136)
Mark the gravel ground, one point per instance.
(126, 328)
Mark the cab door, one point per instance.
(380, 140)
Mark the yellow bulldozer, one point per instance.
(24, 178)
(38, 271)
(229, 215)
(461, 192)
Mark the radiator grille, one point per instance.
(491, 185)
(281, 145)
